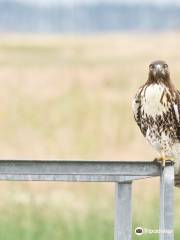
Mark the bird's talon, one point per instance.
(158, 160)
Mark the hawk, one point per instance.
(156, 109)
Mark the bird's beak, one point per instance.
(158, 70)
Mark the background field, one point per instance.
(70, 98)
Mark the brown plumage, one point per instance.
(156, 108)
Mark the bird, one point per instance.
(156, 110)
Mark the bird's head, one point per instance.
(159, 72)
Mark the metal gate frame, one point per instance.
(122, 173)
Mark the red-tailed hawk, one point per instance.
(156, 108)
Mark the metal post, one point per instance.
(123, 214)
(166, 203)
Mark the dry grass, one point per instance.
(70, 97)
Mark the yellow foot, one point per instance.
(163, 161)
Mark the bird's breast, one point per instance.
(154, 99)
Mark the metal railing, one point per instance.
(122, 173)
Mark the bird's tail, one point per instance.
(177, 181)
(177, 172)
(176, 157)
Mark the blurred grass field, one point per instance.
(69, 97)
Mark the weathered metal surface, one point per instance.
(105, 171)
(123, 211)
(166, 203)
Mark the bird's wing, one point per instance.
(136, 107)
(176, 108)
(176, 148)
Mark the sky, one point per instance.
(54, 2)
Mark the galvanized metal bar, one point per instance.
(69, 177)
(108, 171)
(166, 203)
(123, 211)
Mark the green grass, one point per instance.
(32, 222)
(50, 211)
(69, 211)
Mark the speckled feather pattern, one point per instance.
(157, 112)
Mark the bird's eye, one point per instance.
(165, 66)
(151, 67)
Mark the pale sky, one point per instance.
(52, 2)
